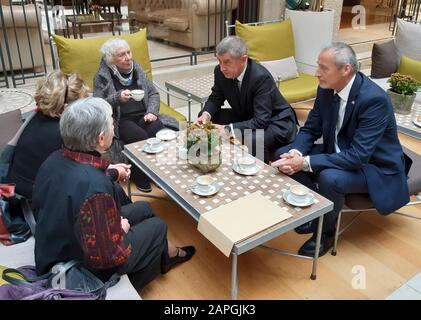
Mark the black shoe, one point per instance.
(171, 262)
(305, 228)
(144, 186)
(309, 247)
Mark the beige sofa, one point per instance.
(184, 22)
(26, 40)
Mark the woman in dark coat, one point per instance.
(80, 215)
(41, 135)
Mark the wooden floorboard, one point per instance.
(387, 248)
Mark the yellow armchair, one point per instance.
(82, 56)
(274, 41)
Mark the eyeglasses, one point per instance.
(67, 89)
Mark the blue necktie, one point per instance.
(336, 101)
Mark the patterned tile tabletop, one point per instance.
(406, 123)
(199, 87)
(180, 175)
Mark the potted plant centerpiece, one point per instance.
(204, 147)
(402, 92)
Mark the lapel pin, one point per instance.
(353, 102)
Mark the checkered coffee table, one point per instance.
(176, 176)
(405, 121)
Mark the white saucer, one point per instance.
(212, 190)
(287, 198)
(250, 172)
(157, 150)
(166, 134)
(417, 123)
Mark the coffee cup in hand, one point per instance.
(137, 95)
(298, 193)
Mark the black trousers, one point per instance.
(136, 129)
(274, 137)
(148, 239)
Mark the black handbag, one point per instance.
(70, 275)
(17, 222)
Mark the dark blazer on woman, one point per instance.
(39, 139)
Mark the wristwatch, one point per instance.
(306, 165)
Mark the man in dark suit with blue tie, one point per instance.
(255, 101)
(360, 152)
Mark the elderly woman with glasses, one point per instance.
(117, 77)
(41, 136)
(79, 215)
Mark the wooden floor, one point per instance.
(387, 249)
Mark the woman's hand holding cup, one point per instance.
(125, 95)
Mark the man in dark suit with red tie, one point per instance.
(255, 101)
(360, 152)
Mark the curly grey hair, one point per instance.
(110, 47)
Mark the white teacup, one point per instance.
(153, 143)
(204, 183)
(137, 95)
(246, 163)
(298, 193)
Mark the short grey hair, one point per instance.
(233, 45)
(344, 54)
(83, 121)
(110, 47)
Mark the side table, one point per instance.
(197, 88)
(12, 99)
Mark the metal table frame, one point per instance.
(248, 244)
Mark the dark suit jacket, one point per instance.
(260, 103)
(368, 141)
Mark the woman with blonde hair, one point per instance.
(41, 136)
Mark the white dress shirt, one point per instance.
(343, 95)
(241, 77)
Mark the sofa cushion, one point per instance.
(410, 67)
(83, 56)
(177, 23)
(22, 254)
(384, 59)
(283, 69)
(302, 88)
(271, 41)
(407, 39)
